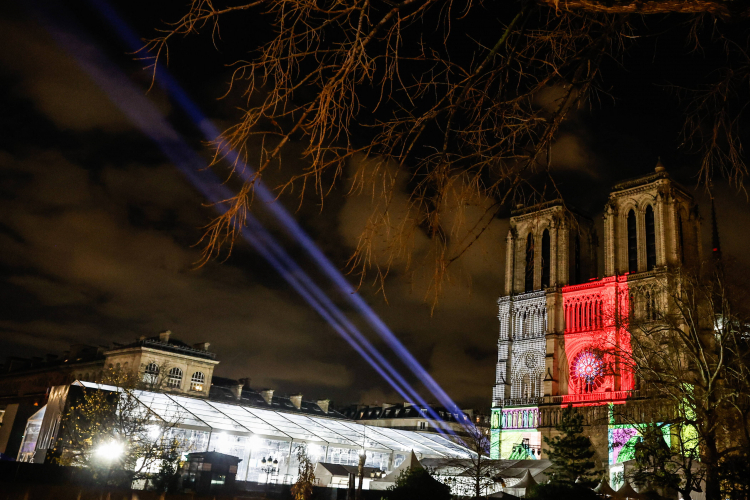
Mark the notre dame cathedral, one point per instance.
(557, 311)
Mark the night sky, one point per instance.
(99, 232)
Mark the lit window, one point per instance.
(197, 381)
(174, 380)
(151, 374)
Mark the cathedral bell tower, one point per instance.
(650, 223)
(548, 246)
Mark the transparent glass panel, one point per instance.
(248, 420)
(168, 409)
(411, 441)
(285, 425)
(343, 456)
(379, 459)
(457, 450)
(317, 426)
(232, 444)
(210, 415)
(260, 468)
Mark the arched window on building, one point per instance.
(151, 373)
(174, 380)
(545, 258)
(632, 243)
(197, 381)
(529, 277)
(650, 239)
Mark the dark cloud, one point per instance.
(98, 237)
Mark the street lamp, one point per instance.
(361, 473)
(269, 466)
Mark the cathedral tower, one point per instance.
(559, 322)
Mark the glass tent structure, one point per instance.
(266, 439)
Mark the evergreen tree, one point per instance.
(571, 453)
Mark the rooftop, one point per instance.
(401, 411)
(247, 419)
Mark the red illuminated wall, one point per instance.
(597, 344)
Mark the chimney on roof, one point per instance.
(237, 389)
(164, 336)
(201, 346)
(267, 395)
(323, 404)
(296, 400)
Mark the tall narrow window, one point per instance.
(545, 258)
(650, 239)
(632, 244)
(529, 283)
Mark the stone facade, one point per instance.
(559, 322)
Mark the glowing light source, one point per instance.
(109, 451)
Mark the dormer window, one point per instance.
(151, 374)
(197, 382)
(174, 380)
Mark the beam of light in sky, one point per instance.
(143, 114)
(268, 199)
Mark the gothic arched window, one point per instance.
(632, 243)
(545, 258)
(529, 282)
(650, 239)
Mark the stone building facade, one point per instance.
(559, 321)
(161, 360)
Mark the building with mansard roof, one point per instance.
(557, 314)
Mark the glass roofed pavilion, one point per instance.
(254, 434)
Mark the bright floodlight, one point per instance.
(109, 451)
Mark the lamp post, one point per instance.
(361, 473)
(269, 466)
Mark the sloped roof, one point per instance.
(603, 488)
(271, 423)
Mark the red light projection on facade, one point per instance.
(587, 371)
(597, 343)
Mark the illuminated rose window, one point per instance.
(588, 370)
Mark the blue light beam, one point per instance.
(145, 116)
(211, 133)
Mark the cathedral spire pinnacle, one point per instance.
(659, 165)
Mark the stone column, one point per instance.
(609, 239)
(509, 261)
(640, 229)
(563, 261)
(660, 214)
(553, 246)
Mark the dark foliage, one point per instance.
(570, 453)
(418, 484)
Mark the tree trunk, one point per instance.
(709, 459)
